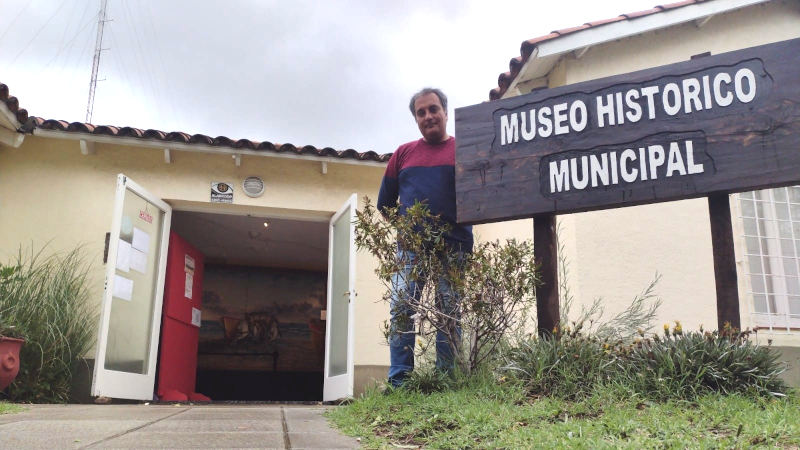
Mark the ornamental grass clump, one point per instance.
(676, 366)
(686, 365)
(568, 365)
(45, 298)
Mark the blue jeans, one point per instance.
(401, 339)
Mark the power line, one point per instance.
(38, 32)
(14, 20)
(144, 61)
(162, 73)
(69, 43)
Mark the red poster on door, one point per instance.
(180, 324)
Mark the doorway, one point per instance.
(262, 333)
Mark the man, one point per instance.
(423, 171)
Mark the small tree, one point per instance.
(496, 282)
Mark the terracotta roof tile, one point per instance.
(31, 123)
(268, 146)
(597, 23)
(130, 132)
(527, 47)
(570, 30)
(12, 104)
(154, 134)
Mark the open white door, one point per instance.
(341, 284)
(127, 346)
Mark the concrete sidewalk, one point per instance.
(170, 426)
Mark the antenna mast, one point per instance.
(98, 47)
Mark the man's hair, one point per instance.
(426, 91)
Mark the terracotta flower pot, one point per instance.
(9, 360)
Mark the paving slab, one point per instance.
(61, 433)
(216, 425)
(173, 426)
(328, 440)
(96, 412)
(177, 439)
(237, 413)
(308, 424)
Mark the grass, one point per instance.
(9, 408)
(46, 298)
(490, 415)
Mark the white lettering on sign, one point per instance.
(687, 95)
(651, 162)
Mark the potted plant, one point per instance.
(11, 339)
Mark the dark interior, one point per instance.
(262, 337)
(228, 385)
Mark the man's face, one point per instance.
(431, 118)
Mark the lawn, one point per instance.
(498, 416)
(8, 408)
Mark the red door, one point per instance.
(180, 324)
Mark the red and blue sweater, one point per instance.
(419, 171)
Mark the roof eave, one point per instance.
(194, 147)
(8, 119)
(547, 53)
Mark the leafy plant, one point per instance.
(679, 365)
(7, 275)
(495, 282)
(568, 366)
(638, 315)
(46, 299)
(687, 365)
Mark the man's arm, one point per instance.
(390, 187)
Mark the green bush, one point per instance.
(678, 365)
(568, 367)
(495, 282)
(45, 298)
(687, 365)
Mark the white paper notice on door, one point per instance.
(196, 317)
(123, 256)
(138, 260)
(188, 285)
(188, 264)
(123, 288)
(141, 240)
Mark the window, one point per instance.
(771, 220)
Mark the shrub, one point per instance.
(677, 366)
(687, 365)
(46, 299)
(7, 329)
(568, 366)
(496, 282)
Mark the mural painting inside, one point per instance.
(261, 320)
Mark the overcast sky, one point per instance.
(326, 73)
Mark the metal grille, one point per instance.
(771, 220)
(253, 186)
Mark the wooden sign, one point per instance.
(717, 124)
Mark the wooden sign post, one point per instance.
(706, 127)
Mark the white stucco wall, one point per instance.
(52, 195)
